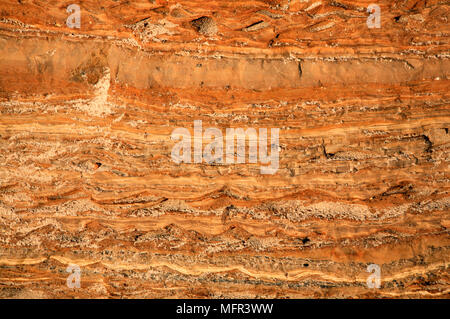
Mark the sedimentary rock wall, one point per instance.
(360, 171)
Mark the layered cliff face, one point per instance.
(88, 178)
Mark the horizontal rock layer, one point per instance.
(87, 178)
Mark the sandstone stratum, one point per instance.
(88, 185)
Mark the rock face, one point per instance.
(87, 177)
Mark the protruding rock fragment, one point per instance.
(205, 25)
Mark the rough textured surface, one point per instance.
(86, 175)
